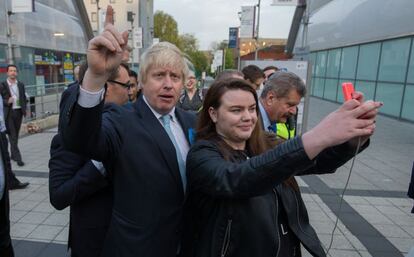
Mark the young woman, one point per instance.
(242, 198)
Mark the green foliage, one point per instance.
(165, 28)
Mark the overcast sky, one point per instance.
(209, 20)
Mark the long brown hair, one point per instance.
(206, 128)
(259, 141)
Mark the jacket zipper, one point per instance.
(226, 240)
(297, 215)
(277, 224)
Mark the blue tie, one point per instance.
(166, 121)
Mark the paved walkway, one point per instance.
(375, 218)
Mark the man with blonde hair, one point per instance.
(146, 146)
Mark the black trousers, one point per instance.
(11, 177)
(13, 124)
(6, 248)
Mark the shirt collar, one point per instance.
(157, 114)
(265, 118)
(11, 83)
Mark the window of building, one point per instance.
(94, 17)
(331, 86)
(129, 1)
(368, 61)
(394, 57)
(112, 1)
(334, 59)
(93, 1)
(408, 104)
(320, 67)
(348, 62)
(410, 75)
(368, 88)
(318, 86)
(391, 96)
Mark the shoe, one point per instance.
(20, 163)
(18, 185)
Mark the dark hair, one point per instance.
(206, 128)
(252, 73)
(133, 74)
(12, 65)
(282, 82)
(271, 67)
(228, 74)
(115, 73)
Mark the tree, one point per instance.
(228, 57)
(200, 62)
(189, 43)
(165, 28)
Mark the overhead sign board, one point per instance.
(285, 2)
(233, 37)
(20, 6)
(247, 21)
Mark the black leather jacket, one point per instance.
(232, 207)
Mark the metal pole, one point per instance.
(97, 17)
(9, 34)
(257, 31)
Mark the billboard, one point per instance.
(233, 37)
(247, 21)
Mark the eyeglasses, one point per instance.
(125, 85)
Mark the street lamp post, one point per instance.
(257, 31)
(98, 11)
(9, 34)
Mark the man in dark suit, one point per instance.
(6, 248)
(14, 101)
(83, 184)
(146, 145)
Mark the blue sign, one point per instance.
(233, 37)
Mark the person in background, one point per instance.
(76, 72)
(234, 206)
(411, 187)
(135, 89)
(229, 73)
(12, 181)
(14, 103)
(279, 101)
(6, 247)
(84, 184)
(254, 75)
(192, 97)
(269, 70)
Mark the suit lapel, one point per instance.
(161, 138)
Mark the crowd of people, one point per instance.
(151, 165)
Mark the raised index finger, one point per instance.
(109, 17)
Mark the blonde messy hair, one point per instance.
(162, 54)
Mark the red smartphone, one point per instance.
(347, 90)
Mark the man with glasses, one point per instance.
(85, 184)
(118, 86)
(146, 146)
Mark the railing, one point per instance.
(43, 100)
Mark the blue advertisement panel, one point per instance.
(233, 37)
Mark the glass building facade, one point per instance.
(368, 43)
(46, 44)
(383, 71)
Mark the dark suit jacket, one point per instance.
(74, 181)
(6, 94)
(148, 192)
(5, 240)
